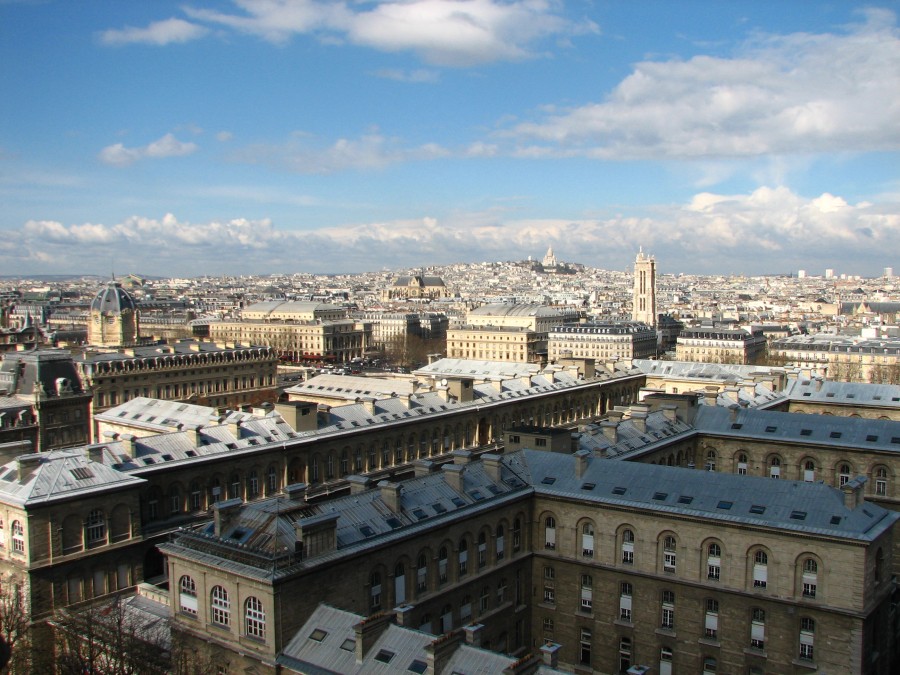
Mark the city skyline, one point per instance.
(258, 137)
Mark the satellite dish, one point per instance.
(444, 382)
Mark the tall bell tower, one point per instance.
(644, 298)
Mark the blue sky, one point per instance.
(260, 136)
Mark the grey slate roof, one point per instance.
(851, 393)
(156, 414)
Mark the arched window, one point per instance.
(713, 562)
(252, 484)
(550, 532)
(517, 536)
(760, 569)
(843, 474)
(187, 595)
(742, 464)
(809, 471)
(195, 497)
(463, 558)
(254, 618)
(442, 565)
(669, 556)
(711, 460)
(881, 481)
(221, 606)
(422, 574)
(810, 578)
(95, 528)
(375, 591)
(482, 550)
(500, 544)
(234, 486)
(587, 540)
(628, 547)
(775, 467)
(18, 537)
(399, 584)
(271, 480)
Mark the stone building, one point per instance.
(338, 341)
(114, 317)
(189, 371)
(720, 345)
(168, 480)
(602, 341)
(417, 287)
(623, 565)
(643, 306)
(58, 400)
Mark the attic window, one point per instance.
(549, 480)
(384, 656)
(459, 503)
(588, 486)
(619, 490)
(439, 508)
(190, 453)
(895, 440)
(81, 473)
(806, 432)
(830, 394)
(757, 509)
(769, 430)
(420, 514)
(685, 499)
(149, 460)
(167, 458)
(871, 438)
(725, 505)
(660, 496)
(851, 395)
(876, 398)
(394, 523)
(494, 489)
(418, 666)
(736, 425)
(318, 635)
(835, 520)
(476, 495)
(806, 393)
(367, 531)
(348, 645)
(798, 515)
(835, 434)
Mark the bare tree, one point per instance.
(15, 628)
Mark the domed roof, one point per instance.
(113, 299)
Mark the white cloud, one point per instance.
(418, 76)
(159, 33)
(797, 93)
(445, 32)
(167, 146)
(767, 230)
(303, 154)
(224, 136)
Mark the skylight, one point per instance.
(384, 656)
(318, 635)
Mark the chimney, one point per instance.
(550, 654)
(749, 389)
(474, 632)
(300, 415)
(27, 465)
(731, 394)
(670, 411)
(9, 451)
(127, 441)
(639, 420)
(611, 431)
(526, 665)
(733, 409)
(423, 467)
(453, 474)
(368, 403)
(526, 379)
(444, 393)
(368, 631)
(818, 384)
(438, 653)
(192, 432)
(574, 441)
(853, 492)
(359, 484)
(491, 464)
(296, 492)
(234, 428)
(461, 388)
(224, 514)
(581, 462)
(403, 615)
(404, 399)
(262, 409)
(316, 534)
(615, 415)
(94, 453)
(461, 456)
(390, 495)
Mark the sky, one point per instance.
(236, 137)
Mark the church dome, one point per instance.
(113, 299)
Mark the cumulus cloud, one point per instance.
(444, 32)
(797, 93)
(167, 146)
(304, 154)
(159, 33)
(764, 231)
